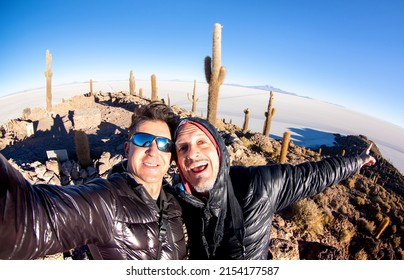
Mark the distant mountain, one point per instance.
(269, 88)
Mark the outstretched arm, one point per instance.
(37, 220)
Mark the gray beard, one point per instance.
(203, 189)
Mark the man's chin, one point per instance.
(202, 188)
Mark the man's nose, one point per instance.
(153, 149)
(193, 151)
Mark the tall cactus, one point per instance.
(154, 95)
(246, 120)
(269, 114)
(193, 99)
(285, 146)
(132, 84)
(215, 73)
(48, 75)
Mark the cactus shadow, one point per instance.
(309, 137)
(108, 138)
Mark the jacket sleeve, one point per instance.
(311, 178)
(38, 220)
(284, 184)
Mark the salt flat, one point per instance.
(311, 122)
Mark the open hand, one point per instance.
(367, 159)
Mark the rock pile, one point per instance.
(68, 172)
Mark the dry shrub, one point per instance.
(346, 236)
(246, 142)
(396, 242)
(351, 182)
(322, 199)
(393, 229)
(361, 255)
(343, 209)
(267, 149)
(400, 254)
(360, 201)
(382, 202)
(366, 225)
(379, 217)
(308, 216)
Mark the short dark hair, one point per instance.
(154, 111)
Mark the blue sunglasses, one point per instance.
(142, 139)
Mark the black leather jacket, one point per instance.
(117, 218)
(235, 222)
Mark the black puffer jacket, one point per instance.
(235, 222)
(116, 217)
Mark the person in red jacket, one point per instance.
(127, 216)
(228, 210)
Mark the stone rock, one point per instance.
(83, 173)
(47, 176)
(282, 249)
(66, 168)
(45, 124)
(86, 118)
(53, 165)
(40, 170)
(91, 171)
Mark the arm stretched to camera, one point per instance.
(39, 220)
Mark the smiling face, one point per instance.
(148, 164)
(198, 159)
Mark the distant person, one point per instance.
(228, 210)
(127, 216)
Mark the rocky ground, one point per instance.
(360, 218)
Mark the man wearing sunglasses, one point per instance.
(126, 216)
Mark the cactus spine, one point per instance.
(82, 148)
(154, 96)
(214, 73)
(132, 84)
(382, 227)
(285, 146)
(269, 114)
(193, 99)
(48, 75)
(246, 120)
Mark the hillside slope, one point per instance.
(341, 223)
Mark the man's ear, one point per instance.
(126, 147)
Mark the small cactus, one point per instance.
(193, 99)
(140, 92)
(82, 148)
(246, 120)
(48, 75)
(285, 146)
(154, 95)
(132, 84)
(382, 227)
(269, 114)
(91, 88)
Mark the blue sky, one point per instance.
(346, 52)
